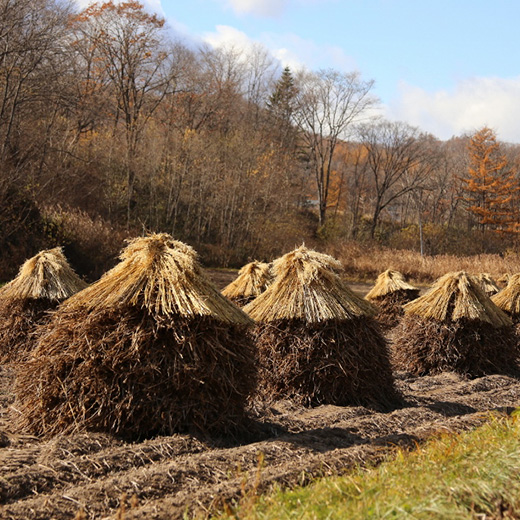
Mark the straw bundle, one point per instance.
(508, 299)
(503, 280)
(42, 283)
(455, 327)
(152, 347)
(390, 292)
(307, 287)
(253, 279)
(488, 284)
(317, 341)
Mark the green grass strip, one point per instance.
(470, 475)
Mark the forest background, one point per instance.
(110, 128)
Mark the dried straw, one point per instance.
(307, 287)
(164, 277)
(317, 341)
(455, 327)
(46, 276)
(488, 284)
(389, 294)
(424, 346)
(457, 296)
(508, 299)
(253, 279)
(41, 284)
(389, 282)
(151, 348)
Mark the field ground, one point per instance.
(167, 477)
(89, 476)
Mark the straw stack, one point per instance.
(455, 327)
(318, 342)
(151, 348)
(43, 282)
(252, 280)
(488, 284)
(508, 299)
(390, 292)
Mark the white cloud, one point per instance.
(268, 8)
(289, 49)
(258, 7)
(472, 104)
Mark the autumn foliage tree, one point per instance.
(490, 186)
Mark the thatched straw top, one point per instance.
(488, 284)
(163, 276)
(455, 296)
(508, 299)
(389, 282)
(252, 280)
(307, 287)
(46, 276)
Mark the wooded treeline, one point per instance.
(109, 127)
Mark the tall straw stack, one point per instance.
(455, 327)
(508, 299)
(318, 342)
(488, 284)
(43, 282)
(389, 294)
(252, 280)
(152, 347)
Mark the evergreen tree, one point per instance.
(490, 187)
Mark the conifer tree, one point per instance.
(490, 187)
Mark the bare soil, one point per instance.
(96, 476)
(167, 477)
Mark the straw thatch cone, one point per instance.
(503, 280)
(508, 299)
(317, 340)
(152, 347)
(390, 292)
(252, 280)
(455, 327)
(488, 284)
(43, 282)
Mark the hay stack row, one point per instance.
(154, 348)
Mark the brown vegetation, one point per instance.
(43, 282)
(455, 327)
(252, 280)
(151, 348)
(390, 292)
(317, 340)
(508, 299)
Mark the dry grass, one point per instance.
(317, 341)
(389, 294)
(426, 346)
(487, 283)
(42, 283)
(366, 262)
(164, 277)
(152, 347)
(46, 276)
(508, 299)
(457, 296)
(389, 282)
(455, 327)
(342, 363)
(307, 287)
(252, 280)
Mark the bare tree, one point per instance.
(399, 159)
(130, 49)
(327, 104)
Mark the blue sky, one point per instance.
(446, 66)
